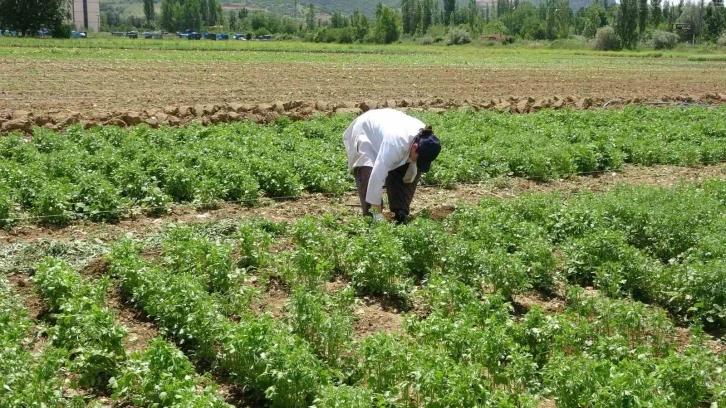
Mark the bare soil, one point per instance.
(141, 330)
(376, 314)
(526, 301)
(26, 291)
(53, 85)
(273, 301)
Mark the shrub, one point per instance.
(426, 40)
(663, 40)
(722, 40)
(458, 36)
(62, 31)
(53, 203)
(98, 199)
(607, 40)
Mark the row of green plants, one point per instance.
(28, 377)
(88, 331)
(659, 245)
(465, 345)
(103, 173)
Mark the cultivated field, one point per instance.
(572, 256)
(106, 75)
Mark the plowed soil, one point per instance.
(47, 85)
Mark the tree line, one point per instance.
(624, 24)
(631, 21)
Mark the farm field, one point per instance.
(561, 258)
(103, 174)
(105, 75)
(178, 229)
(534, 300)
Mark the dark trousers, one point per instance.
(400, 194)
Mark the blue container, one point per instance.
(222, 37)
(75, 34)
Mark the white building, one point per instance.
(86, 15)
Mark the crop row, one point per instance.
(465, 345)
(85, 345)
(103, 172)
(27, 378)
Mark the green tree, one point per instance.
(427, 15)
(551, 19)
(192, 17)
(449, 9)
(473, 15)
(409, 16)
(714, 22)
(232, 20)
(360, 24)
(28, 16)
(170, 11)
(655, 13)
(626, 23)
(310, 17)
(204, 12)
(387, 25)
(593, 20)
(563, 13)
(338, 20)
(149, 11)
(642, 16)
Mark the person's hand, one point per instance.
(378, 217)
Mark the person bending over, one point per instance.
(386, 147)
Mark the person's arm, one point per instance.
(386, 160)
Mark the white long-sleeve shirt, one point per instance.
(381, 139)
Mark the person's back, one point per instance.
(369, 130)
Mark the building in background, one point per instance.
(86, 15)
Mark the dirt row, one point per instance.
(24, 121)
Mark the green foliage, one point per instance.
(470, 338)
(62, 31)
(212, 262)
(162, 375)
(626, 23)
(98, 199)
(256, 353)
(254, 245)
(103, 171)
(722, 40)
(343, 396)
(388, 26)
(607, 39)
(458, 36)
(325, 321)
(54, 204)
(28, 377)
(29, 16)
(6, 209)
(424, 242)
(376, 263)
(663, 40)
(82, 324)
